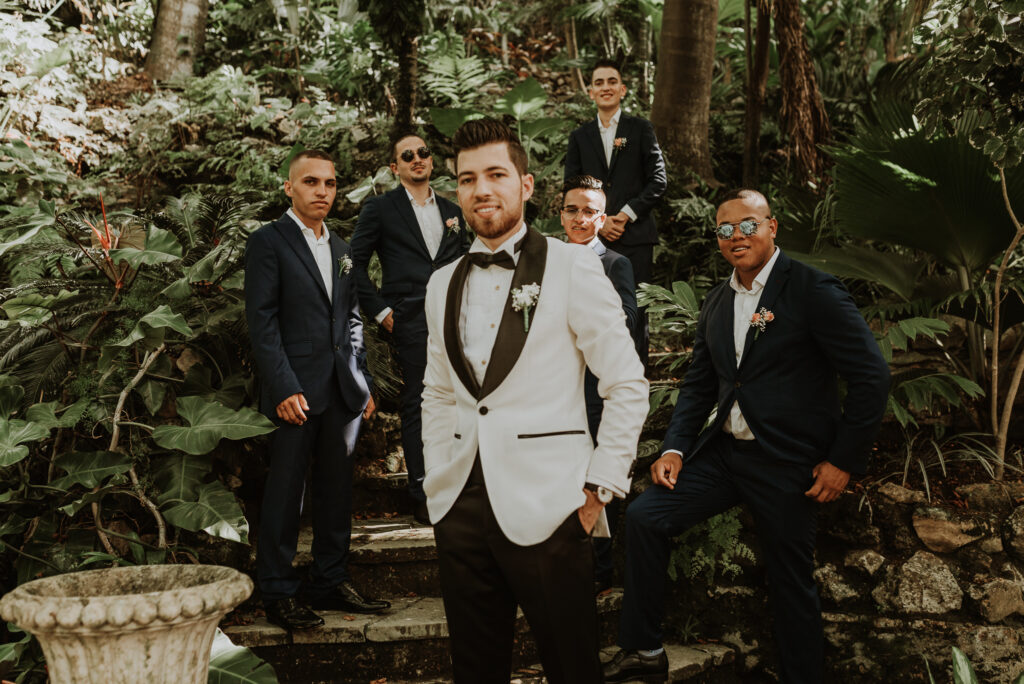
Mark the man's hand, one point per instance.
(292, 410)
(370, 408)
(388, 322)
(666, 469)
(589, 511)
(614, 226)
(829, 482)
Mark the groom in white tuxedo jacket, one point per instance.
(515, 486)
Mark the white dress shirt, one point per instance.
(744, 305)
(483, 303)
(321, 249)
(428, 217)
(608, 142)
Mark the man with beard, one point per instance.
(514, 483)
(772, 342)
(414, 232)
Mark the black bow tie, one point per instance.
(502, 258)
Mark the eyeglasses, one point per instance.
(588, 214)
(748, 228)
(407, 155)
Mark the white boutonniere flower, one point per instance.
(523, 299)
(344, 265)
(760, 320)
(452, 224)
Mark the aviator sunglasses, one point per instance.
(748, 228)
(422, 153)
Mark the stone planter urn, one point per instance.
(149, 624)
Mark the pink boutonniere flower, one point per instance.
(760, 320)
(619, 143)
(452, 224)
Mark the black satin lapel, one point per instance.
(404, 207)
(776, 281)
(594, 134)
(511, 331)
(452, 341)
(293, 237)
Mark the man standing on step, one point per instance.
(514, 483)
(771, 344)
(414, 232)
(307, 340)
(583, 204)
(623, 153)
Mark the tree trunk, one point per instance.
(178, 36)
(757, 81)
(405, 88)
(643, 91)
(682, 86)
(804, 120)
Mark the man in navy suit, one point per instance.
(307, 339)
(583, 205)
(623, 153)
(414, 232)
(771, 343)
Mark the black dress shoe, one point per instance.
(346, 597)
(291, 614)
(420, 513)
(628, 666)
(602, 586)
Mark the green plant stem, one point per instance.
(138, 425)
(31, 557)
(1003, 427)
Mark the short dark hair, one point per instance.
(743, 193)
(308, 154)
(605, 63)
(581, 183)
(398, 137)
(486, 131)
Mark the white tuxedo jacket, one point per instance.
(528, 418)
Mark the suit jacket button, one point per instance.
(337, 347)
(483, 410)
(738, 383)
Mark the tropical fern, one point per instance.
(451, 77)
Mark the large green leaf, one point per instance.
(448, 119)
(45, 414)
(71, 509)
(13, 435)
(963, 672)
(525, 99)
(152, 393)
(161, 247)
(153, 325)
(208, 423)
(544, 126)
(177, 477)
(11, 397)
(216, 512)
(34, 309)
(899, 273)
(230, 664)
(90, 468)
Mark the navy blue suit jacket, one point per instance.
(302, 341)
(387, 225)
(620, 272)
(635, 177)
(786, 383)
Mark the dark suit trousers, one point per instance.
(725, 473)
(410, 343)
(319, 440)
(484, 576)
(604, 567)
(641, 258)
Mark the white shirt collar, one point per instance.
(596, 245)
(614, 121)
(506, 246)
(412, 200)
(306, 230)
(759, 280)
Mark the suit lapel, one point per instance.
(593, 134)
(511, 331)
(404, 206)
(452, 341)
(293, 237)
(447, 233)
(621, 131)
(777, 279)
(723, 346)
(336, 275)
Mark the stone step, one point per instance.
(390, 557)
(407, 643)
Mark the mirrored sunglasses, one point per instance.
(725, 231)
